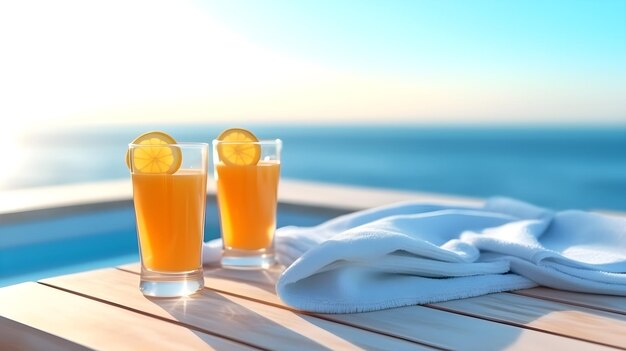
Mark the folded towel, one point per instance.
(413, 253)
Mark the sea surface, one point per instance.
(554, 167)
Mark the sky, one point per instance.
(73, 62)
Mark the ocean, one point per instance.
(554, 167)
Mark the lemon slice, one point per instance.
(238, 147)
(158, 156)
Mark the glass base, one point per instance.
(247, 259)
(160, 284)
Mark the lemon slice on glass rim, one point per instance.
(154, 153)
(238, 147)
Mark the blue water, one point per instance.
(45, 246)
(560, 168)
(554, 167)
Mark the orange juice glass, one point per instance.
(247, 201)
(170, 211)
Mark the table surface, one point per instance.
(239, 310)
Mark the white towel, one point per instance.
(413, 253)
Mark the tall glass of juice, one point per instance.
(169, 193)
(247, 175)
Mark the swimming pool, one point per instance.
(55, 242)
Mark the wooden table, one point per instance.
(239, 310)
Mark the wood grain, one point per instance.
(95, 324)
(21, 337)
(597, 326)
(616, 304)
(417, 323)
(258, 324)
(459, 332)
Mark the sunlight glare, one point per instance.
(71, 59)
(14, 154)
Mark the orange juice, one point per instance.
(247, 203)
(170, 219)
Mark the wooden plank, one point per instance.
(95, 324)
(597, 326)
(28, 201)
(20, 337)
(349, 197)
(417, 323)
(258, 324)
(355, 197)
(459, 332)
(616, 304)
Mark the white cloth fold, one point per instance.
(413, 253)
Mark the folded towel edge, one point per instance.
(324, 306)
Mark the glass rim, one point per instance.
(260, 142)
(178, 144)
